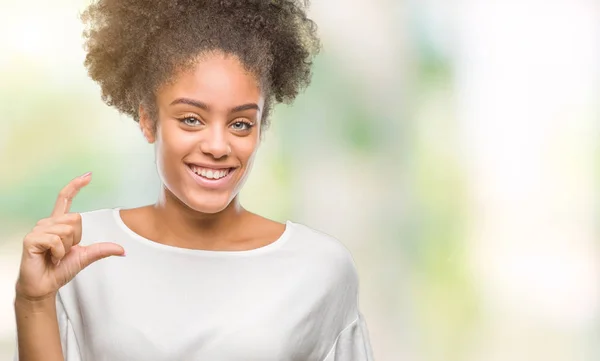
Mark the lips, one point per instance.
(210, 173)
(219, 178)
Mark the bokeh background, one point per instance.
(450, 145)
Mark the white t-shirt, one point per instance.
(294, 299)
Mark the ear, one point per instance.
(146, 125)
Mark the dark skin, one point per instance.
(220, 128)
(210, 115)
(252, 232)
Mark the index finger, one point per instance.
(66, 195)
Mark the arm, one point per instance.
(37, 329)
(51, 258)
(353, 343)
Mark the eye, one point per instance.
(191, 121)
(242, 125)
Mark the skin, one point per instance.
(51, 257)
(185, 215)
(213, 132)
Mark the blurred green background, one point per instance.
(451, 146)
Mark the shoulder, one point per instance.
(320, 241)
(325, 252)
(328, 270)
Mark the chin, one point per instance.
(208, 204)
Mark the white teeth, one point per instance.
(210, 173)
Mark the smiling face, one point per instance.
(207, 132)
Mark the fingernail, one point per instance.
(85, 175)
(124, 254)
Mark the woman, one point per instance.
(199, 277)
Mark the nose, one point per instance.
(215, 143)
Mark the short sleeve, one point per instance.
(353, 343)
(67, 336)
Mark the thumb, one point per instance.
(97, 251)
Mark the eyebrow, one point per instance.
(201, 105)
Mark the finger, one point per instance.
(66, 195)
(67, 218)
(97, 251)
(57, 250)
(71, 219)
(82, 256)
(64, 231)
(40, 243)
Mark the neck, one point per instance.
(183, 226)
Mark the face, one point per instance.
(207, 132)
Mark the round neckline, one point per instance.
(273, 245)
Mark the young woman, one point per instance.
(199, 277)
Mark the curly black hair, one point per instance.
(135, 46)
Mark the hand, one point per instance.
(52, 255)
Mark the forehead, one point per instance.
(214, 78)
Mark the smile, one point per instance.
(209, 173)
(210, 178)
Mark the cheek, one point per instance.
(171, 147)
(247, 150)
